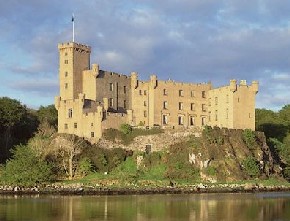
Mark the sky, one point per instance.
(184, 40)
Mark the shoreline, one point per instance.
(133, 190)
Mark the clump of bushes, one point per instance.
(249, 138)
(251, 167)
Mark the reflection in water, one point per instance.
(207, 207)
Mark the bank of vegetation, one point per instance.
(32, 153)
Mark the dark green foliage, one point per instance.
(251, 167)
(213, 135)
(17, 125)
(178, 166)
(104, 160)
(47, 114)
(249, 138)
(25, 168)
(85, 166)
(118, 136)
(126, 128)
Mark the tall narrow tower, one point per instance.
(73, 59)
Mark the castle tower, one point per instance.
(73, 59)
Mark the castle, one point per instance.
(92, 100)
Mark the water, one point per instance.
(205, 207)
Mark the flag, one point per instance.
(72, 18)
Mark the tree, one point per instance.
(67, 147)
(25, 168)
(48, 114)
(17, 124)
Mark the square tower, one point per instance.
(74, 58)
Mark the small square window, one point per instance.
(180, 106)
(75, 125)
(66, 85)
(140, 92)
(164, 92)
(92, 134)
(165, 105)
(111, 87)
(192, 94)
(145, 92)
(92, 124)
(65, 126)
(66, 74)
(66, 61)
(180, 93)
(203, 94)
(145, 103)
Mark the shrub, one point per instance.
(126, 128)
(249, 138)
(85, 166)
(251, 167)
(25, 168)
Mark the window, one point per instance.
(180, 106)
(164, 92)
(66, 85)
(111, 102)
(140, 92)
(180, 93)
(66, 61)
(192, 106)
(65, 54)
(125, 105)
(92, 134)
(145, 113)
(124, 89)
(164, 119)
(92, 124)
(66, 74)
(70, 113)
(203, 108)
(203, 121)
(145, 92)
(227, 98)
(145, 103)
(75, 125)
(192, 94)
(216, 115)
(209, 116)
(65, 126)
(227, 113)
(180, 120)
(203, 94)
(165, 104)
(216, 101)
(191, 121)
(249, 115)
(111, 87)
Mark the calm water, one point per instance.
(205, 207)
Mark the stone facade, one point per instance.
(92, 100)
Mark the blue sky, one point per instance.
(185, 40)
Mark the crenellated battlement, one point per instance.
(74, 45)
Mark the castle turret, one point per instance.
(134, 80)
(153, 81)
(255, 86)
(233, 85)
(74, 58)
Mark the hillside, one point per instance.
(213, 155)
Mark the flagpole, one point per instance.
(73, 26)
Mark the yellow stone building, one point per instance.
(92, 100)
